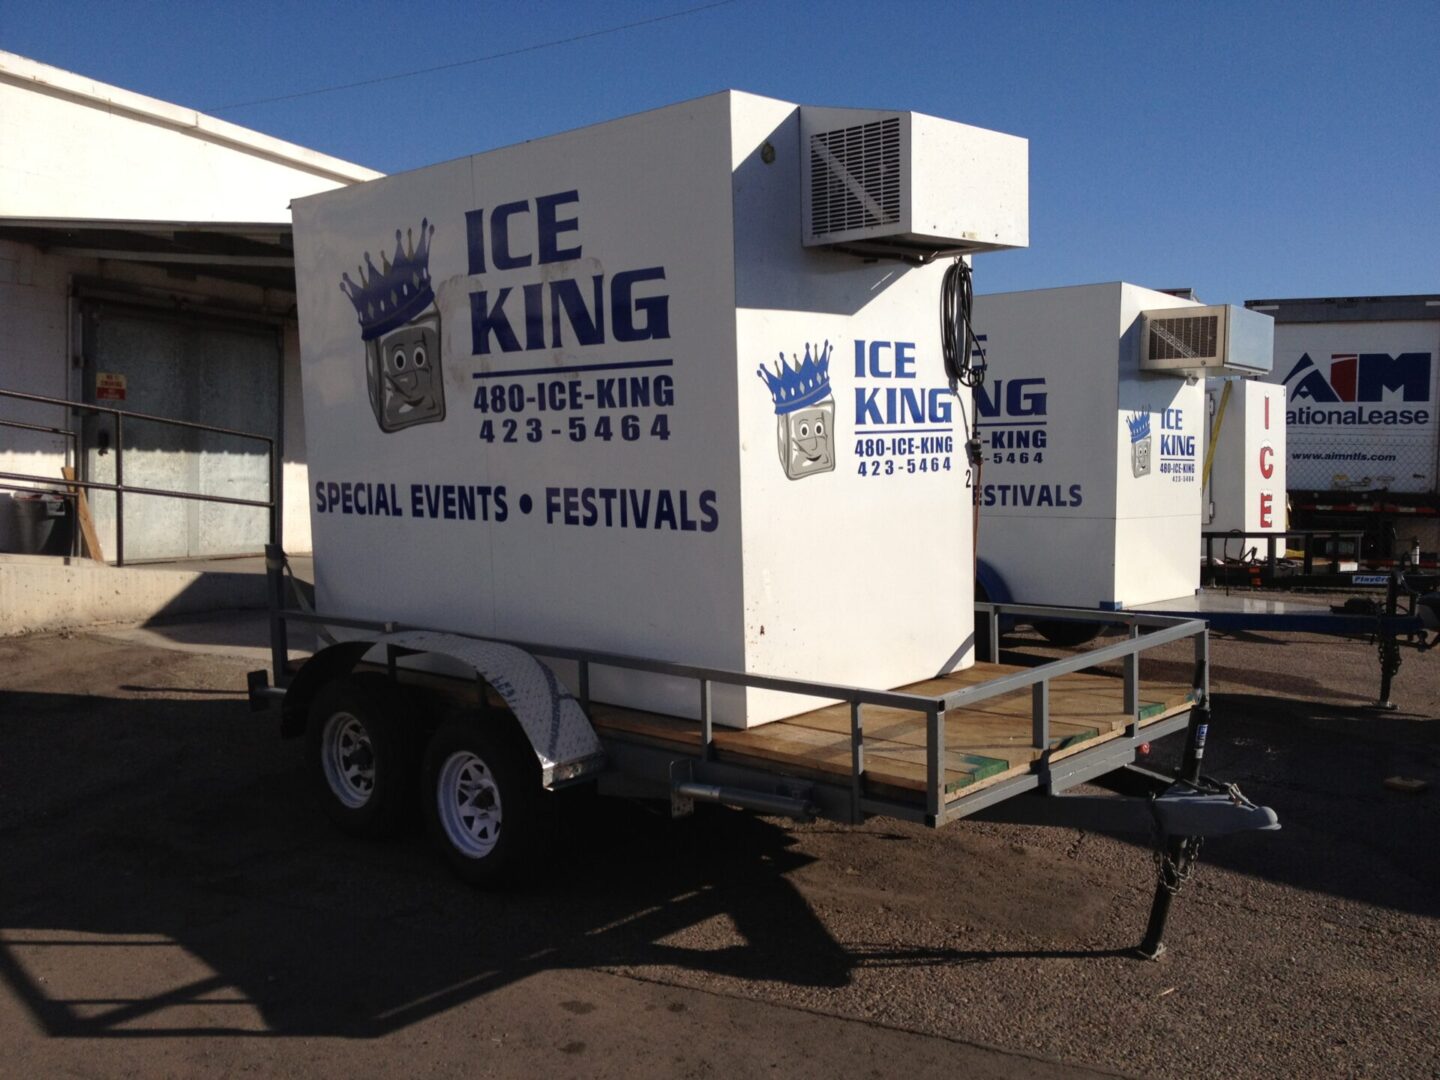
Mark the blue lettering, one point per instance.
(550, 227)
(905, 360)
(485, 321)
(500, 235)
(1408, 372)
(475, 240)
(589, 329)
(624, 307)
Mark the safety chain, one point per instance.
(1174, 873)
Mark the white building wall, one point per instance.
(72, 148)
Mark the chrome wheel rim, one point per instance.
(469, 804)
(348, 758)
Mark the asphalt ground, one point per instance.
(172, 902)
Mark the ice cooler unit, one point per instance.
(1247, 466)
(1093, 438)
(615, 389)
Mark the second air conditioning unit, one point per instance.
(1221, 339)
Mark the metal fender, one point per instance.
(553, 721)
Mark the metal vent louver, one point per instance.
(855, 177)
(1185, 337)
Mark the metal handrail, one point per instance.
(1162, 629)
(86, 406)
(120, 488)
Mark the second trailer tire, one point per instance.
(1068, 633)
(361, 755)
(485, 807)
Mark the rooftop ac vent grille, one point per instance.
(855, 177)
(1183, 338)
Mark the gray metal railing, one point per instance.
(1145, 631)
(119, 488)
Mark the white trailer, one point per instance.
(635, 461)
(1361, 377)
(1092, 424)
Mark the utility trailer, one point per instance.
(567, 505)
(1003, 742)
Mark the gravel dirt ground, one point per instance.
(172, 902)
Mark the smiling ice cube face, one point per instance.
(405, 379)
(1140, 457)
(805, 437)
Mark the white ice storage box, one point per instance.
(1091, 477)
(594, 390)
(1247, 467)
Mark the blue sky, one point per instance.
(1246, 150)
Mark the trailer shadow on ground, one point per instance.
(174, 822)
(153, 842)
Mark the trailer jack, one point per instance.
(1179, 812)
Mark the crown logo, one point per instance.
(398, 290)
(804, 384)
(1139, 424)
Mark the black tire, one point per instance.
(361, 752)
(485, 808)
(1067, 633)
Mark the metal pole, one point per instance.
(857, 761)
(707, 721)
(279, 636)
(1040, 715)
(935, 763)
(1179, 850)
(120, 490)
(1389, 647)
(1131, 667)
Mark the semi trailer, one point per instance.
(1361, 379)
(640, 459)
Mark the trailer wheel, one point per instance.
(361, 754)
(485, 807)
(1067, 633)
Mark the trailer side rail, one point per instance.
(1145, 631)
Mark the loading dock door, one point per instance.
(189, 369)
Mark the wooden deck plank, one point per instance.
(984, 743)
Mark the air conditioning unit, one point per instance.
(1221, 339)
(906, 185)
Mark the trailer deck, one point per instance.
(985, 743)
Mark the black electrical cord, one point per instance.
(958, 344)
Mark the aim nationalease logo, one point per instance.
(1361, 377)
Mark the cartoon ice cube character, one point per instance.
(1140, 457)
(805, 438)
(405, 379)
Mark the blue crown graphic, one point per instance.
(806, 383)
(1139, 424)
(396, 292)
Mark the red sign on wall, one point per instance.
(109, 386)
